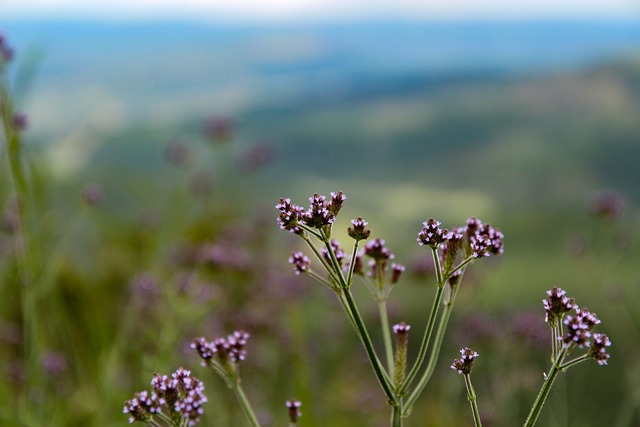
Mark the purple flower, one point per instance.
(598, 349)
(290, 215)
(358, 230)
(300, 262)
(465, 363)
(294, 410)
(450, 251)
(377, 250)
(334, 206)
(483, 239)
(578, 328)
(223, 350)
(396, 272)
(182, 395)
(319, 213)
(557, 304)
(431, 235)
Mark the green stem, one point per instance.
(383, 378)
(435, 352)
(354, 254)
(246, 406)
(396, 415)
(321, 279)
(574, 362)
(320, 258)
(425, 340)
(386, 335)
(428, 332)
(471, 395)
(544, 391)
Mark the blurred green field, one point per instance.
(123, 286)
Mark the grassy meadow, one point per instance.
(147, 215)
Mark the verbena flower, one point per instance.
(334, 206)
(319, 213)
(181, 395)
(598, 348)
(557, 304)
(300, 262)
(396, 272)
(290, 215)
(358, 230)
(465, 363)
(294, 410)
(450, 251)
(223, 350)
(578, 328)
(142, 406)
(431, 235)
(483, 240)
(377, 250)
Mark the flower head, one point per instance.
(578, 328)
(557, 304)
(290, 215)
(181, 395)
(334, 206)
(396, 272)
(358, 230)
(431, 235)
(465, 363)
(300, 262)
(320, 212)
(598, 348)
(483, 240)
(377, 250)
(294, 410)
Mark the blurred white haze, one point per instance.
(284, 10)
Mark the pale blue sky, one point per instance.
(279, 10)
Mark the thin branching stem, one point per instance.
(246, 406)
(546, 388)
(386, 335)
(428, 332)
(471, 395)
(435, 352)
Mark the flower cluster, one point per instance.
(222, 351)
(557, 304)
(320, 213)
(484, 240)
(465, 363)
(579, 328)
(180, 396)
(358, 230)
(432, 235)
(598, 349)
(290, 216)
(300, 262)
(477, 239)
